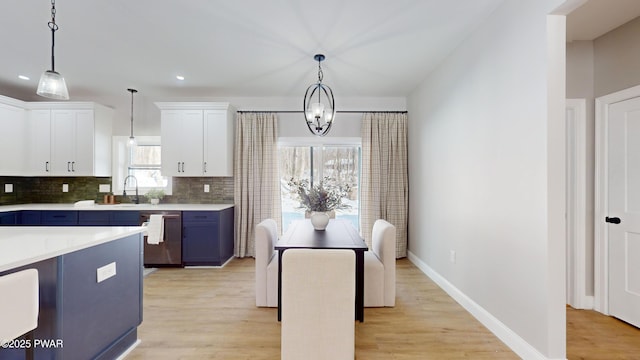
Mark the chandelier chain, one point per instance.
(52, 24)
(320, 74)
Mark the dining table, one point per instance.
(339, 234)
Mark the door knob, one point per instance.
(612, 220)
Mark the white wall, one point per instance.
(481, 180)
(616, 59)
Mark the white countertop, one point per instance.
(24, 245)
(137, 207)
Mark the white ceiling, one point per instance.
(242, 48)
(248, 48)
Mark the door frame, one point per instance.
(601, 196)
(576, 205)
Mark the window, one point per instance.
(144, 164)
(142, 160)
(338, 162)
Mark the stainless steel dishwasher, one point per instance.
(169, 251)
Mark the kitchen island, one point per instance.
(90, 284)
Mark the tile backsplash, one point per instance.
(27, 190)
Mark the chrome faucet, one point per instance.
(124, 187)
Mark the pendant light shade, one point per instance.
(132, 139)
(52, 84)
(319, 104)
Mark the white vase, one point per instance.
(319, 220)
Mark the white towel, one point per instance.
(155, 229)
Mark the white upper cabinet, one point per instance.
(39, 152)
(218, 142)
(197, 138)
(69, 139)
(12, 136)
(181, 135)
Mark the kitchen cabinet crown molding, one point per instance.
(68, 105)
(198, 105)
(12, 102)
(51, 105)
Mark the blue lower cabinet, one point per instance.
(205, 237)
(124, 218)
(93, 218)
(30, 217)
(200, 238)
(108, 218)
(59, 218)
(9, 218)
(100, 316)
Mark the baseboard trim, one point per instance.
(504, 333)
(129, 350)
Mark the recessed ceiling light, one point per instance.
(179, 77)
(22, 77)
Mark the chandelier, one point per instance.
(52, 84)
(319, 104)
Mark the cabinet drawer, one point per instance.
(125, 218)
(59, 217)
(30, 217)
(93, 218)
(9, 218)
(200, 216)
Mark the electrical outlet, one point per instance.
(452, 256)
(105, 272)
(65, 187)
(104, 188)
(8, 188)
(206, 188)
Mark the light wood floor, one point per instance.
(211, 314)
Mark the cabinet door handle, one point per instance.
(183, 166)
(205, 166)
(73, 166)
(178, 166)
(46, 166)
(68, 166)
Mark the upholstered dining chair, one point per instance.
(266, 236)
(318, 296)
(19, 306)
(380, 266)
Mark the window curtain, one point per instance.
(256, 182)
(385, 177)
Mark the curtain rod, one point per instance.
(337, 111)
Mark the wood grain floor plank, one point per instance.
(211, 314)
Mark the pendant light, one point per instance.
(319, 104)
(132, 140)
(52, 84)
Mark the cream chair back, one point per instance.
(318, 296)
(19, 304)
(383, 244)
(266, 236)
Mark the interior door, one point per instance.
(623, 158)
